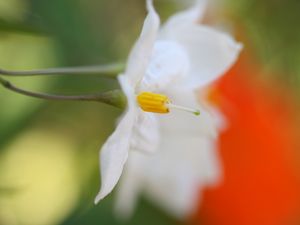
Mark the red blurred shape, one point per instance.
(260, 184)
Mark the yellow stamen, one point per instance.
(152, 102)
(157, 103)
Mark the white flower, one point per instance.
(165, 65)
(173, 177)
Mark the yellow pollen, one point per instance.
(152, 102)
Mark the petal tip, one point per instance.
(149, 5)
(99, 197)
(152, 12)
(238, 46)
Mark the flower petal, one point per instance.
(130, 186)
(169, 65)
(211, 52)
(190, 16)
(140, 54)
(172, 176)
(145, 136)
(183, 167)
(114, 152)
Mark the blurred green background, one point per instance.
(49, 150)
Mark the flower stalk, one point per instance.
(115, 97)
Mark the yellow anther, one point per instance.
(152, 102)
(157, 103)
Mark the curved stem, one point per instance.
(110, 70)
(115, 98)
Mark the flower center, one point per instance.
(158, 103)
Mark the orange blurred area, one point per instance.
(258, 152)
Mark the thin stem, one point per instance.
(114, 98)
(110, 70)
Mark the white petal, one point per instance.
(184, 123)
(130, 186)
(114, 152)
(169, 65)
(145, 136)
(142, 51)
(211, 52)
(190, 16)
(172, 177)
(175, 174)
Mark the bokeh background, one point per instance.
(49, 150)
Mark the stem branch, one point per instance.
(110, 70)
